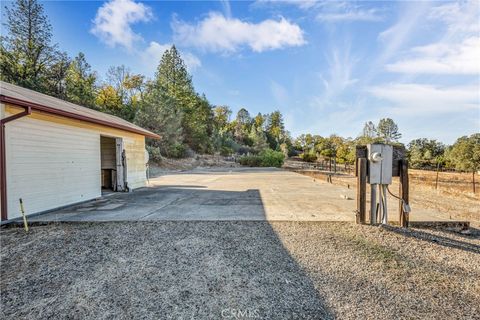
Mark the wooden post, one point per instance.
(473, 180)
(361, 190)
(436, 179)
(403, 192)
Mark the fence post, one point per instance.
(473, 180)
(403, 192)
(361, 190)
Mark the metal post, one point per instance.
(380, 202)
(385, 212)
(3, 174)
(373, 204)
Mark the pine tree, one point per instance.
(80, 82)
(388, 130)
(258, 139)
(56, 76)
(158, 114)
(275, 130)
(26, 53)
(221, 118)
(173, 77)
(242, 126)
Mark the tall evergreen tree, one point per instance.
(158, 114)
(173, 77)
(221, 118)
(388, 130)
(55, 83)
(275, 130)
(259, 121)
(242, 125)
(80, 82)
(26, 52)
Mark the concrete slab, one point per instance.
(228, 194)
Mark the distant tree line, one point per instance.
(463, 155)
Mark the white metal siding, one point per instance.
(50, 165)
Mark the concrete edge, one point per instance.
(463, 225)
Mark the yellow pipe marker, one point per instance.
(25, 223)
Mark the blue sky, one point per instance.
(327, 66)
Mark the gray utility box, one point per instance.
(379, 163)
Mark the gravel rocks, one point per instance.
(237, 270)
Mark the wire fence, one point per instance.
(448, 180)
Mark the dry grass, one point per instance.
(279, 270)
(453, 197)
(456, 183)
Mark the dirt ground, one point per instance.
(199, 161)
(453, 197)
(237, 270)
(210, 194)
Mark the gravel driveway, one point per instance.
(237, 270)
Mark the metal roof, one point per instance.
(23, 97)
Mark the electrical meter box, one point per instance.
(380, 163)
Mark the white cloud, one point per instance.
(345, 11)
(455, 52)
(339, 78)
(458, 16)
(403, 30)
(420, 99)
(302, 4)
(331, 11)
(113, 21)
(227, 9)
(350, 15)
(154, 52)
(441, 58)
(220, 34)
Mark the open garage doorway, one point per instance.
(112, 164)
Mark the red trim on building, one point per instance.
(63, 113)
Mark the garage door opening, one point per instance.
(112, 164)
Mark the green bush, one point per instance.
(226, 151)
(272, 158)
(308, 157)
(154, 154)
(267, 158)
(177, 151)
(250, 161)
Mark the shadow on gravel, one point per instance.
(155, 270)
(436, 239)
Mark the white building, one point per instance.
(54, 153)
